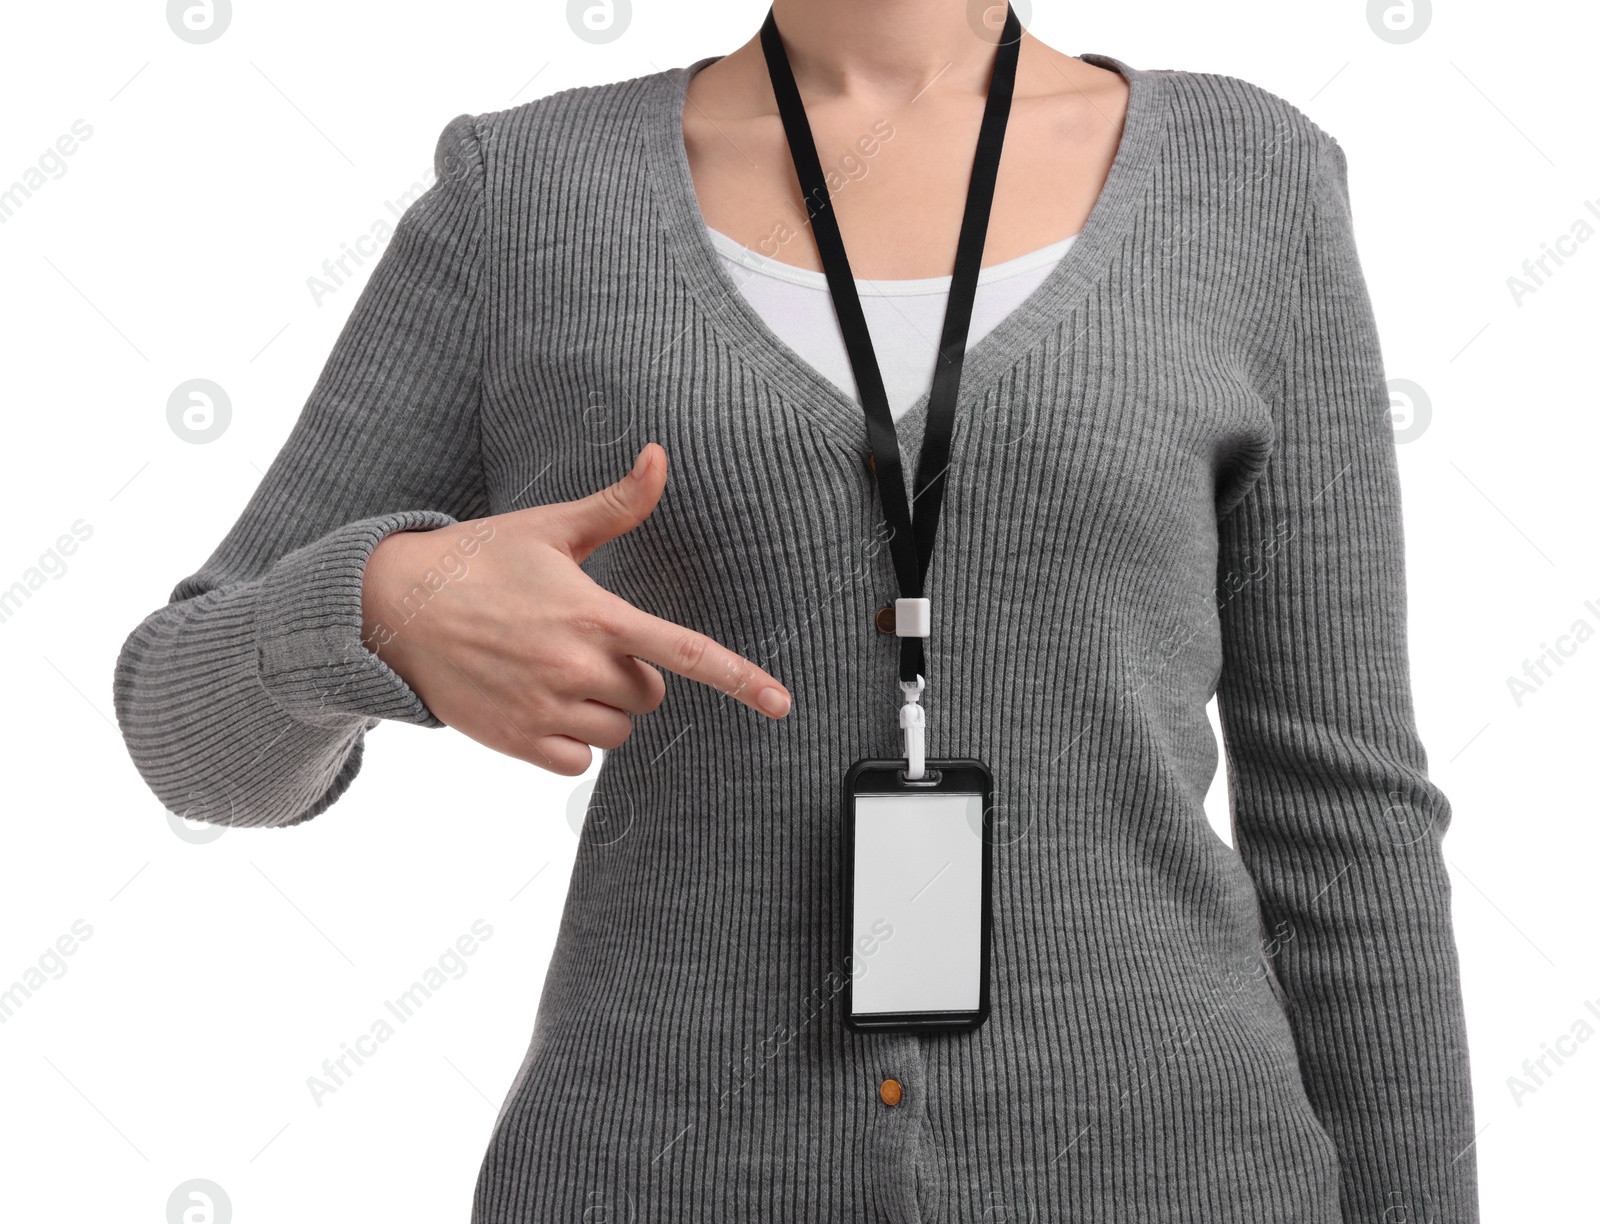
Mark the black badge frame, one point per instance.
(887, 777)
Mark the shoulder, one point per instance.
(1216, 103)
(1244, 129)
(575, 123)
(571, 125)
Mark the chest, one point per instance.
(1107, 412)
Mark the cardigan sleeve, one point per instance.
(1334, 815)
(245, 699)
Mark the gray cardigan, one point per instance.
(1173, 475)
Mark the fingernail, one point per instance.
(774, 702)
(639, 464)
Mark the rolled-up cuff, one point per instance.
(308, 630)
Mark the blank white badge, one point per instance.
(918, 869)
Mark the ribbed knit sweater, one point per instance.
(1173, 475)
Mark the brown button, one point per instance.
(885, 619)
(889, 1092)
(872, 464)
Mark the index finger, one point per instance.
(702, 659)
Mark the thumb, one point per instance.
(590, 521)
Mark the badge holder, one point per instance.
(917, 876)
(918, 861)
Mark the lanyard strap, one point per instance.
(911, 542)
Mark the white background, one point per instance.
(177, 244)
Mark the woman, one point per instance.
(1171, 475)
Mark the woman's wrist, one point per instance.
(384, 583)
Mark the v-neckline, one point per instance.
(812, 393)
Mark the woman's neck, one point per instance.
(842, 49)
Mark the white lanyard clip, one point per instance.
(913, 720)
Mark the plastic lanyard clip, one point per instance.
(913, 720)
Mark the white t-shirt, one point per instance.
(905, 317)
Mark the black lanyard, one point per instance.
(911, 543)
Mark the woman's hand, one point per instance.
(494, 625)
